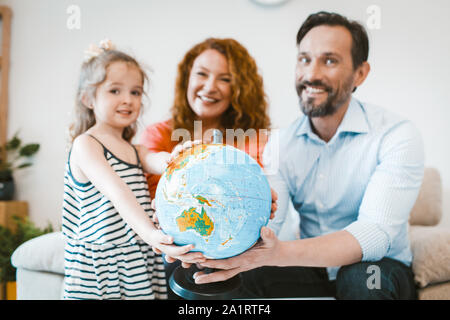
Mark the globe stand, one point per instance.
(182, 283)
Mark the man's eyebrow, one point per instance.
(326, 54)
(329, 54)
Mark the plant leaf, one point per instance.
(25, 231)
(13, 144)
(29, 149)
(24, 165)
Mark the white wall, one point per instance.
(410, 58)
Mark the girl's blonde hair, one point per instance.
(93, 73)
(249, 106)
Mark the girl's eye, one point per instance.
(114, 91)
(201, 73)
(136, 93)
(228, 80)
(330, 61)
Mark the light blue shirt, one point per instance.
(364, 180)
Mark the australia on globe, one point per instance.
(215, 197)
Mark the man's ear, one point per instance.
(361, 74)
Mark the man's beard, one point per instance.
(335, 99)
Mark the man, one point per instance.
(352, 171)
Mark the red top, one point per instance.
(157, 138)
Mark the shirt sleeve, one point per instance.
(270, 161)
(391, 192)
(157, 138)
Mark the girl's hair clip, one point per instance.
(93, 50)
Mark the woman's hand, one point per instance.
(274, 203)
(156, 162)
(182, 147)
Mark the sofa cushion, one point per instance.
(427, 211)
(44, 253)
(439, 291)
(431, 254)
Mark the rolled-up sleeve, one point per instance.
(391, 193)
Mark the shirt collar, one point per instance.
(354, 121)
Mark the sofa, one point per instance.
(40, 261)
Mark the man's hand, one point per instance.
(262, 254)
(274, 203)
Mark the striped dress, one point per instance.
(104, 257)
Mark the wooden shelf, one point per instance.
(5, 16)
(8, 209)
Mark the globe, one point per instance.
(215, 197)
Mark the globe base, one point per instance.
(182, 283)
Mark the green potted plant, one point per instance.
(13, 156)
(10, 241)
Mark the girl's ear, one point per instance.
(87, 101)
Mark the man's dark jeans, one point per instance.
(384, 279)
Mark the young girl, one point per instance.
(106, 209)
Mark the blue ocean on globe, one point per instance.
(215, 197)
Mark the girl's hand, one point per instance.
(162, 243)
(186, 258)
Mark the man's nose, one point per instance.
(313, 71)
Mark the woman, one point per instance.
(217, 87)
